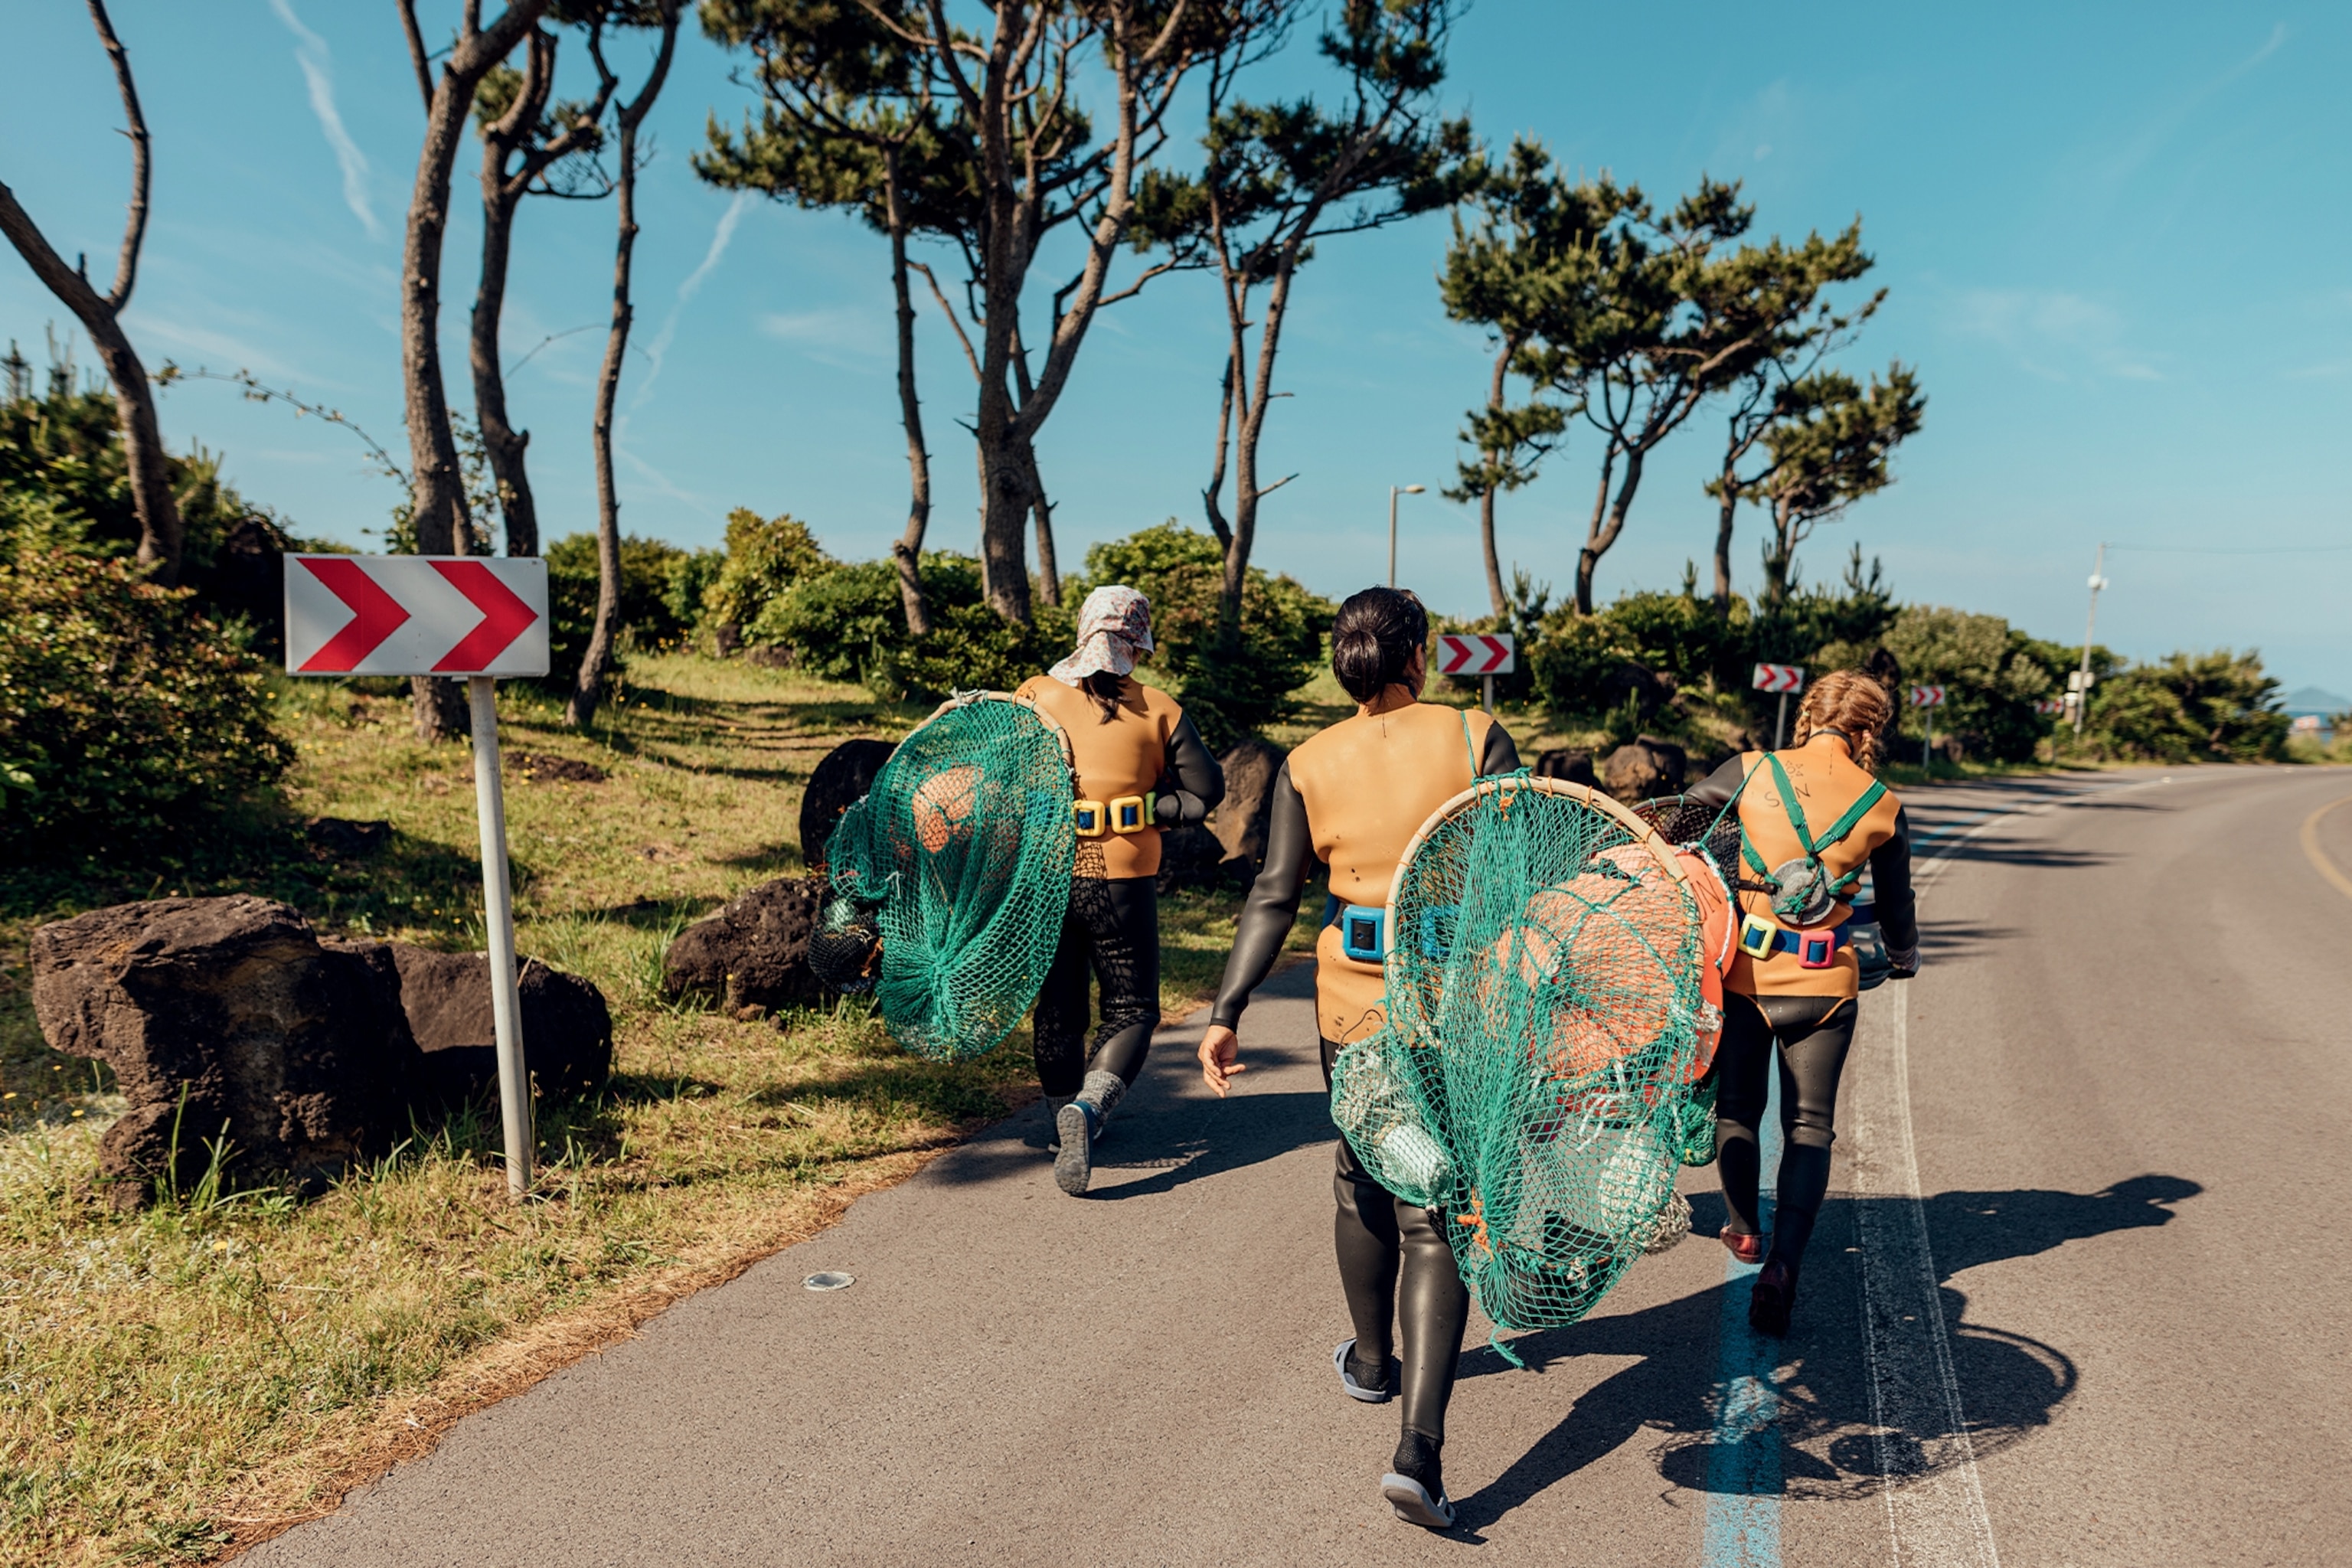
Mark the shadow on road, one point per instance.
(2010, 1386)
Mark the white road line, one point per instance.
(1936, 1514)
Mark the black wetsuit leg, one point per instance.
(1814, 1033)
(1397, 1266)
(1112, 932)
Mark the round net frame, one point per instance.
(959, 860)
(1534, 1083)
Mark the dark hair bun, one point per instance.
(1373, 639)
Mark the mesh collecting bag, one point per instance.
(957, 863)
(1542, 1074)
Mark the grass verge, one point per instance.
(195, 1377)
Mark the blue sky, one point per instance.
(2115, 238)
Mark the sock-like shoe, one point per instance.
(1775, 1294)
(1054, 1103)
(1080, 1122)
(1414, 1487)
(1363, 1380)
(1746, 1248)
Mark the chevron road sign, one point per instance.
(2051, 705)
(414, 615)
(1927, 697)
(1780, 677)
(453, 616)
(1475, 653)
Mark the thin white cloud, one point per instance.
(658, 350)
(311, 54)
(2054, 333)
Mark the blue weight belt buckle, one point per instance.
(1364, 933)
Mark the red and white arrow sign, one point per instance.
(1782, 678)
(414, 615)
(2051, 705)
(1927, 697)
(1477, 653)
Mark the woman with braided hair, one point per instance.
(1352, 796)
(1141, 768)
(1811, 817)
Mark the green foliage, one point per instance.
(123, 710)
(2215, 707)
(765, 557)
(691, 575)
(850, 624)
(1229, 688)
(648, 570)
(1992, 675)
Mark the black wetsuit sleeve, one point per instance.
(1718, 788)
(1272, 907)
(1193, 784)
(1890, 888)
(1501, 756)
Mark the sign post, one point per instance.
(1783, 679)
(442, 616)
(1483, 654)
(1927, 699)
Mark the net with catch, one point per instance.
(951, 876)
(1547, 1034)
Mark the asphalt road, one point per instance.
(2079, 1297)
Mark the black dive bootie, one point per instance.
(1773, 1298)
(1414, 1487)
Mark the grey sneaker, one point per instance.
(1074, 1165)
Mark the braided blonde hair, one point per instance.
(1852, 702)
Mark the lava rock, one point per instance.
(1193, 857)
(1673, 761)
(556, 770)
(1241, 819)
(228, 1017)
(753, 951)
(840, 781)
(342, 838)
(1576, 767)
(567, 1029)
(1639, 770)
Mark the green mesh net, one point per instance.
(959, 860)
(1534, 1083)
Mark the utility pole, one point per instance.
(1394, 491)
(2083, 677)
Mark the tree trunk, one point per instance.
(160, 533)
(1779, 551)
(588, 689)
(1217, 524)
(1049, 573)
(909, 551)
(437, 493)
(501, 441)
(1495, 594)
(1729, 503)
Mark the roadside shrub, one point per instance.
(1992, 676)
(124, 713)
(1229, 688)
(850, 624)
(2213, 707)
(648, 567)
(766, 557)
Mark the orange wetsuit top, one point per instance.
(1145, 746)
(1352, 796)
(1826, 782)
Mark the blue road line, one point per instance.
(1743, 1463)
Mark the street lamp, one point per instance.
(2082, 681)
(1394, 491)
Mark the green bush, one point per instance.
(1992, 676)
(765, 558)
(2211, 707)
(123, 712)
(1231, 690)
(850, 624)
(648, 567)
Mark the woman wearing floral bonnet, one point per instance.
(1141, 768)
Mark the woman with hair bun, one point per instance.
(1352, 796)
(1811, 817)
(1141, 768)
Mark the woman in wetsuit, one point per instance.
(1809, 817)
(1141, 768)
(1352, 796)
